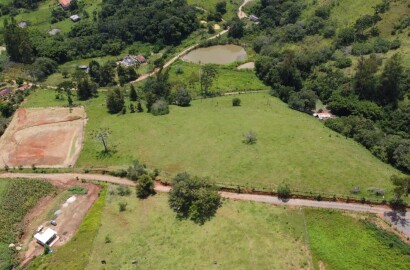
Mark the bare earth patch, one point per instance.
(45, 137)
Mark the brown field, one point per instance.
(50, 137)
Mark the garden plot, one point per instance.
(44, 137)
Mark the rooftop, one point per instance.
(46, 236)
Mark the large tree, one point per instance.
(193, 198)
(17, 42)
(390, 79)
(115, 100)
(207, 75)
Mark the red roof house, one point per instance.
(64, 3)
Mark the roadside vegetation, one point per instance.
(17, 197)
(363, 244)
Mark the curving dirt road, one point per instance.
(401, 221)
(241, 14)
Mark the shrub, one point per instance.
(108, 239)
(249, 137)
(122, 206)
(343, 62)
(145, 187)
(123, 190)
(236, 102)
(284, 191)
(355, 190)
(160, 107)
(182, 97)
(78, 190)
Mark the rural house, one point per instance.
(141, 59)
(65, 4)
(5, 93)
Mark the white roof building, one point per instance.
(75, 18)
(46, 238)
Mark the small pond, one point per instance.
(219, 54)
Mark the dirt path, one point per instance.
(401, 221)
(241, 14)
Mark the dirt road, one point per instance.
(401, 221)
(241, 14)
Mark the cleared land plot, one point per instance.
(243, 235)
(339, 241)
(205, 139)
(44, 137)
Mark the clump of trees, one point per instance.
(193, 198)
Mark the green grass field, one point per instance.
(243, 235)
(205, 139)
(228, 79)
(342, 242)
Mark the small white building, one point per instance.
(75, 18)
(46, 238)
(323, 115)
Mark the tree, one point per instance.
(157, 88)
(86, 89)
(365, 80)
(160, 107)
(145, 187)
(236, 102)
(182, 97)
(220, 7)
(139, 107)
(237, 29)
(115, 100)
(207, 75)
(390, 79)
(284, 191)
(193, 198)
(133, 93)
(304, 101)
(401, 186)
(7, 109)
(136, 170)
(94, 71)
(42, 67)
(107, 74)
(18, 44)
(102, 135)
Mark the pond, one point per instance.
(219, 54)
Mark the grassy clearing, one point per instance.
(209, 5)
(342, 242)
(205, 139)
(17, 197)
(229, 79)
(76, 253)
(243, 235)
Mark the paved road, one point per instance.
(401, 221)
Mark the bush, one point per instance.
(236, 102)
(362, 48)
(304, 101)
(182, 97)
(123, 190)
(284, 191)
(249, 137)
(122, 206)
(78, 190)
(343, 62)
(160, 107)
(145, 187)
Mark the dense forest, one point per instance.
(369, 102)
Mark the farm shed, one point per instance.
(46, 238)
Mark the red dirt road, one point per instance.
(401, 221)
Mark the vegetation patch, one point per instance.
(343, 242)
(17, 198)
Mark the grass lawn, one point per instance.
(209, 5)
(243, 235)
(205, 139)
(228, 79)
(342, 242)
(76, 253)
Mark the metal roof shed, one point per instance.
(46, 238)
